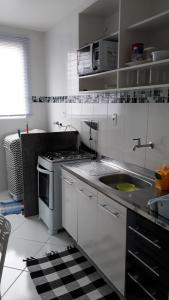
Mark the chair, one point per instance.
(5, 229)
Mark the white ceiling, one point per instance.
(103, 8)
(36, 14)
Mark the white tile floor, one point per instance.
(29, 237)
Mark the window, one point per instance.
(15, 96)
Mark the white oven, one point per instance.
(49, 186)
(45, 186)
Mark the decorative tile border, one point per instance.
(128, 96)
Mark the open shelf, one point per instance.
(98, 84)
(111, 36)
(144, 87)
(107, 81)
(98, 91)
(99, 75)
(145, 65)
(139, 66)
(155, 86)
(109, 21)
(160, 20)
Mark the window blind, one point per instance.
(15, 90)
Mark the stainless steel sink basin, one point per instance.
(115, 179)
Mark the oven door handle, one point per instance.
(43, 171)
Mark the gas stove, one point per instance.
(66, 156)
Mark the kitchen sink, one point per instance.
(115, 180)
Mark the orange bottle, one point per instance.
(162, 179)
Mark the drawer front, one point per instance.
(79, 184)
(85, 188)
(154, 234)
(158, 257)
(67, 175)
(146, 280)
(136, 289)
(111, 203)
(147, 268)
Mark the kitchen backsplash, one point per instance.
(121, 117)
(128, 96)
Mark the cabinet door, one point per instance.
(111, 243)
(69, 204)
(87, 210)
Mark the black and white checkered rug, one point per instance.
(68, 275)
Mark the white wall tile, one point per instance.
(61, 46)
(56, 113)
(115, 139)
(102, 137)
(76, 110)
(85, 135)
(158, 133)
(135, 126)
(115, 108)
(68, 110)
(100, 110)
(111, 137)
(87, 110)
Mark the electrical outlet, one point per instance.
(114, 119)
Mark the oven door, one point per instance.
(45, 186)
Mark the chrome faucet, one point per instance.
(150, 145)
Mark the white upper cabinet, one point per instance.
(100, 22)
(145, 11)
(129, 22)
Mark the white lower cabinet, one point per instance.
(111, 240)
(69, 204)
(87, 212)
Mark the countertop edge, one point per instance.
(123, 202)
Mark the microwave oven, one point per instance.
(97, 57)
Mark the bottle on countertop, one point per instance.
(162, 178)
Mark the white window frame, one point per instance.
(25, 42)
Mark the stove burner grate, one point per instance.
(66, 155)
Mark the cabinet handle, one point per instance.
(67, 181)
(145, 264)
(142, 287)
(114, 214)
(144, 237)
(82, 192)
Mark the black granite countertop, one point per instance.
(91, 171)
